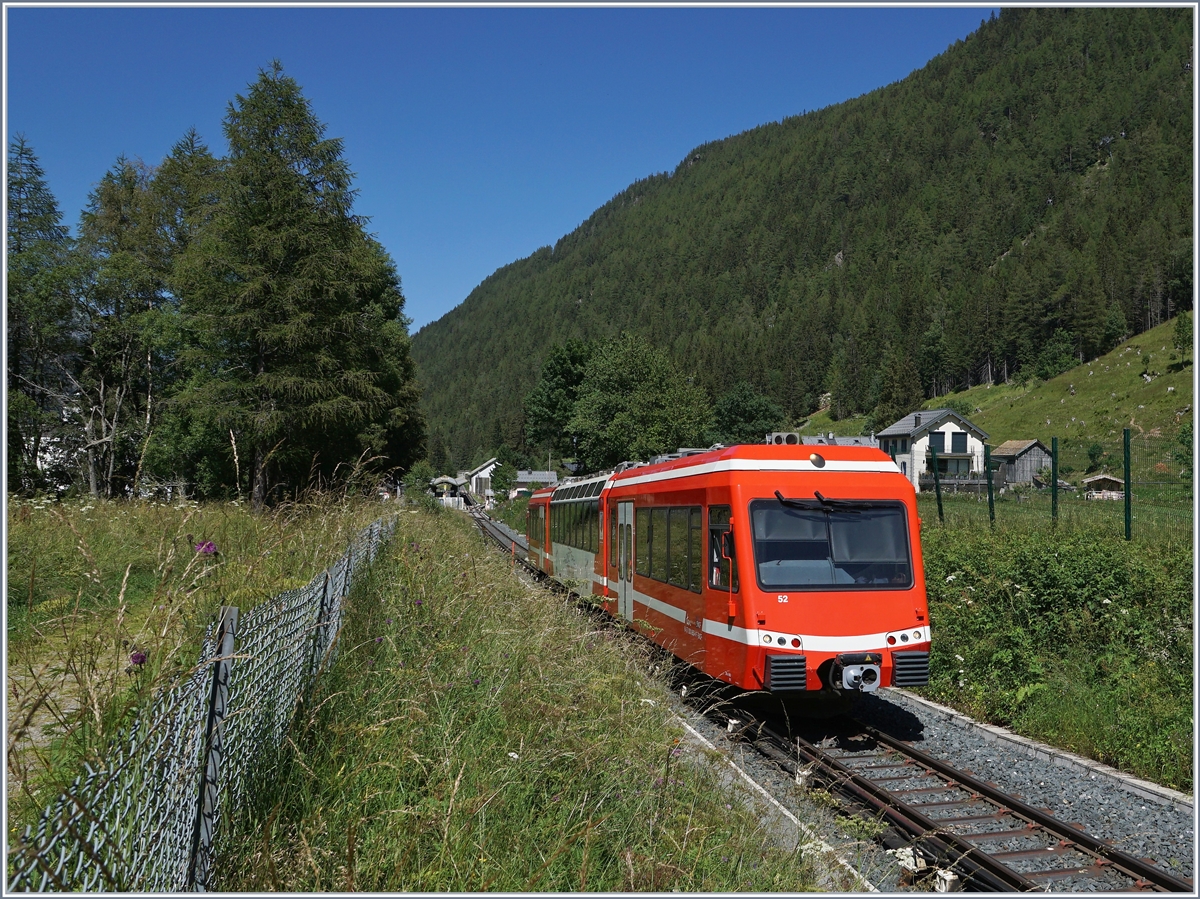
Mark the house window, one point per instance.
(937, 441)
(958, 442)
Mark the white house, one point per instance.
(479, 480)
(959, 445)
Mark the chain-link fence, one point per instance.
(146, 821)
(1091, 491)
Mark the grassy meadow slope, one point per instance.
(1109, 394)
(1033, 179)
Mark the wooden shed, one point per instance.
(1023, 459)
(1103, 486)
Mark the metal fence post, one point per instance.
(987, 464)
(1128, 491)
(937, 481)
(213, 749)
(319, 628)
(1054, 479)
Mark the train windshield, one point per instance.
(808, 544)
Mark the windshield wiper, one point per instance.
(826, 505)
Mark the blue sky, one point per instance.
(477, 135)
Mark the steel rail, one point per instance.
(980, 870)
(1135, 868)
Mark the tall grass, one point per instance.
(107, 599)
(477, 734)
(1073, 636)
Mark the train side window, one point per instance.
(658, 544)
(642, 529)
(595, 541)
(695, 549)
(612, 536)
(719, 574)
(678, 541)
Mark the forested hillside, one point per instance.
(1022, 201)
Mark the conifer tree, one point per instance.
(120, 276)
(41, 338)
(298, 311)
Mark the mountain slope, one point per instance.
(1034, 178)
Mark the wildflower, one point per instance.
(207, 547)
(514, 756)
(379, 639)
(389, 621)
(476, 681)
(418, 602)
(678, 750)
(137, 657)
(949, 579)
(960, 658)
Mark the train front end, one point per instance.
(832, 597)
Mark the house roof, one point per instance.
(928, 420)
(474, 471)
(1016, 448)
(1107, 478)
(542, 477)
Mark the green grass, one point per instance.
(481, 734)
(92, 582)
(512, 513)
(1093, 401)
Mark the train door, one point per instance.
(625, 560)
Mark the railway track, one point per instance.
(955, 830)
(953, 821)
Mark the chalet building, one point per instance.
(959, 446)
(1023, 459)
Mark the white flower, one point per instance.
(960, 658)
(949, 579)
(514, 756)
(1108, 602)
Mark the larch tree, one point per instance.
(297, 312)
(121, 293)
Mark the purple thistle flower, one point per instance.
(137, 657)
(418, 602)
(208, 548)
(476, 681)
(379, 639)
(389, 621)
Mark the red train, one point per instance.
(793, 569)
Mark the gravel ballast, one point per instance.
(1140, 818)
